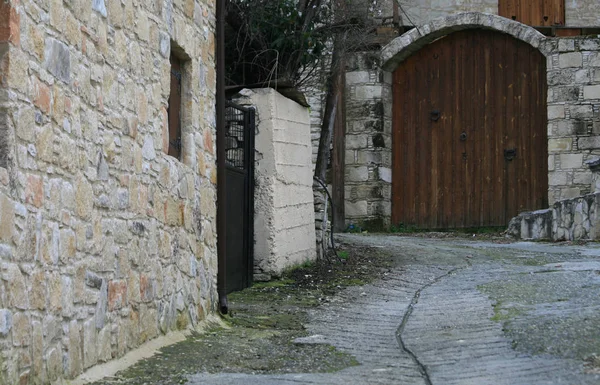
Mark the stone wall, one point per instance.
(567, 220)
(368, 143)
(573, 115)
(105, 241)
(583, 13)
(284, 219)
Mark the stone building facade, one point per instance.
(105, 240)
(573, 76)
(582, 13)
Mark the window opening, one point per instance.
(537, 13)
(174, 109)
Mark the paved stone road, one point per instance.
(460, 312)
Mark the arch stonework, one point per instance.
(410, 42)
(399, 49)
(573, 101)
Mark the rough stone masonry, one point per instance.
(105, 240)
(573, 112)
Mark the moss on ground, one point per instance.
(264, 320)
(502, 313)
(535, 307)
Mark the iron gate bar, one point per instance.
(239, 133)
(251, 124)
(221, 179)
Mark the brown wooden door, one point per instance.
(538, 13)
(470, 132)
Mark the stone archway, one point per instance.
(404, 46)
(572, 77)
(408, 203)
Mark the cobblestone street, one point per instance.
(456, 311)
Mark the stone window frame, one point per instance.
(9, 34)
(185, 115)
(4, 127)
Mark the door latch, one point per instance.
(510, 154)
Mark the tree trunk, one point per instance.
(331, 104)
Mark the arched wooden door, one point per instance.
(469, 132)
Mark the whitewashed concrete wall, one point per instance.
(284, 224)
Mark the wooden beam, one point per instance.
(563, 32)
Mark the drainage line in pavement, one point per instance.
(415, 300)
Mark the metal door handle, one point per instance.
(510, 154)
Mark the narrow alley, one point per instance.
(453, 311)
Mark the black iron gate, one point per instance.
(239, 149)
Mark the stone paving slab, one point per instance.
(455, 312)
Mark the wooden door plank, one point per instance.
(397, 151)
(411, 145)
(408, 144)
(566, 32)
(509, 9)
(459, 171)
(558, 16)
(469, 75)
(537, 13)
(481, 164)
(547, 13)
(338, 159)
(446, 144)
(434, 135)
(487, 108)
(512, 113)
(499, 55)
(422, 134)
(518, 11)
(495, 111)
(525, 7)
(481, 160)
(503, 8)
(476, 154)
(405, 177)
(523, 134)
